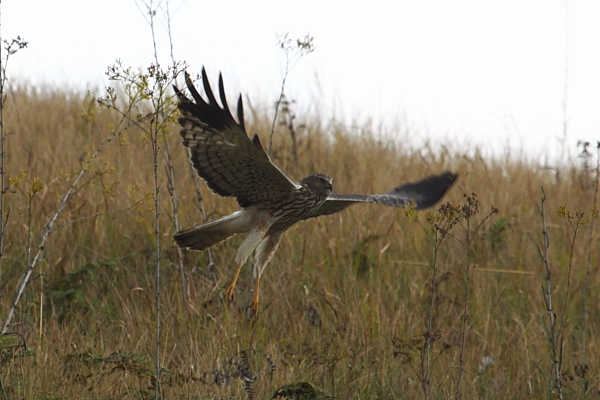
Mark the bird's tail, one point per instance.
(204, 236)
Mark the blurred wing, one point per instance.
(222, 153)
(425, 193)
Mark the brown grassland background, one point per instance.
(345, 303)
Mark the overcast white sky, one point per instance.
(489, 71)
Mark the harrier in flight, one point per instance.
(233, 165)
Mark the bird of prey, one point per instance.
(233, 165)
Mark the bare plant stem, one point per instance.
(426, 363)
(155, 151)
(154, 132)
(590, 252)
(433, 287)
(278, 103)
(2, 163)
(10, 48)
(47, 229)
(556, 342)
(170, 33)
(175, 205)
(171, 174)
(171, 171)
(292, 54)
(28, 249)
(289, 118)
(568, 288)
(461, 361)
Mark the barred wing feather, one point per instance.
(220, 150)
(425, 193)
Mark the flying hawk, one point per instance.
(233, 165)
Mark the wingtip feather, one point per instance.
(240, 113)
(207, 88)
(223, 97)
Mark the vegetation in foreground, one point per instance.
(371, 303)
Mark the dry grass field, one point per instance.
(348, 308)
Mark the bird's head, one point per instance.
(318, 183)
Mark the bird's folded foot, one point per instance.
(229, 294)
(252, 309)
(231, 289)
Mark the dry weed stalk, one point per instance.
(154, 86)
(143, 88)
(554, 336)
(293, 53)
(288, 122)
(554, 326)
(466, 212)
(591, 246)
(440, 224)
(170, 173)
(576, 221)
(10, 48)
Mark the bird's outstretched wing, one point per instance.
(425, 193)
(222, 153)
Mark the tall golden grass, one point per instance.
(345, 301)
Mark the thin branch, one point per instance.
(550, 328)
(278, 103)
(461, 361)
(590, 252)
(170, 171)
(301, 48)
(11, 48)
(3, 188)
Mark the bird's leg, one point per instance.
(264, 252)
(254, 302)
(255, 236)
(231, 288)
